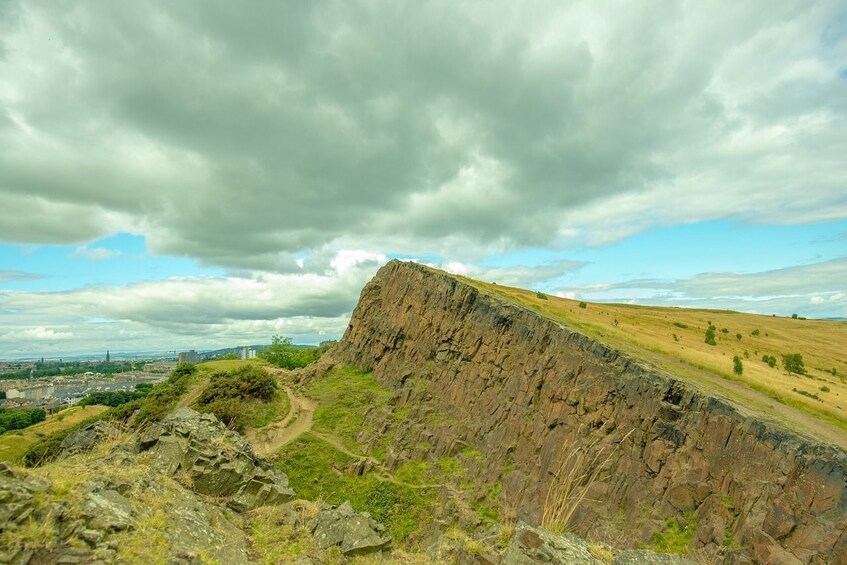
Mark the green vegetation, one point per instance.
(676, 537)
(241, 397)
(808, 394)
(312, 467)
(737, 365)
(681, 325)
(115, 398)
(20, 418)
(770, 360)
(755, 332)
(583, 305)
(541, 295)
(163, 398)
(283, 354)
(824, 388)
(343, 395)
(710, 335)
(793, 363)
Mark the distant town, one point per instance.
(55, 383)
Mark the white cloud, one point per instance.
(95, 253)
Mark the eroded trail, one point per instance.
(298, 421)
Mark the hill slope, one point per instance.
(480, 369)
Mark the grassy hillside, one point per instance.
(13, 444)
(674, 339)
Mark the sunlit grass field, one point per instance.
(14, 443)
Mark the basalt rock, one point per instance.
(524, 391)
(354, 533)
(214, 460)
(530, 546)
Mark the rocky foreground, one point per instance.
(187, 490)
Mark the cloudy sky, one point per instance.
(205, 174)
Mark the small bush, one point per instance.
(680, 325)
(808, 394)
(541, 295)
(737, 365)
(583, 305)
(770, 360)
(794, 316)
(710, 335)
(738, 337)
(824, 388)
(675, 337)
(231, 394)
(755, 332)
(724, 330)
(793, 363)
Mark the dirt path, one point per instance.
(193, 393)
(298, 421)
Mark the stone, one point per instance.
(354, 534)
(108, 510)
(531, 545)
(84, 439)
(218, 462)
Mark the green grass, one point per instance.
(343, 395)
(315, 470)
(15, 443)
(675, 538)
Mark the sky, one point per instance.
(190, 174)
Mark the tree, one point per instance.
(793, 363)
(737, 365)
(283, 354)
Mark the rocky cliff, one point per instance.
(527, 394)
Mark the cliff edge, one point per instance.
(527, 394)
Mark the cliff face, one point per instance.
(525, 392)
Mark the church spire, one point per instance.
(107, 356)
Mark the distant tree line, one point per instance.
(20, 418)
(117, 397)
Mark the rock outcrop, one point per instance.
(214, 460)
(524, 392)
(531, 546)
(354, 533)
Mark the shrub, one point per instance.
(770, 360)
(724, 330)
(737, 365)
(541, 295)
(680, 325)
(794, 316)
(755, 332)
(710, 335)
(231, 394)
(793, 363)
(113, 398)
(738, 337)
(824, 388)
(583, 305)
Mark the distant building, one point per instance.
(188, 357)
(14, 393)
(246, 353)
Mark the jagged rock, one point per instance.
(108, 510)
(86, 438)
(525, 390)
(530, 546)
(355, 533)
(216, 461)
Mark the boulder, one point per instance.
(85, 438)
(214, 460)
(354, 533)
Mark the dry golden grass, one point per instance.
(648, 332)
(227, 364)
(13, 444)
